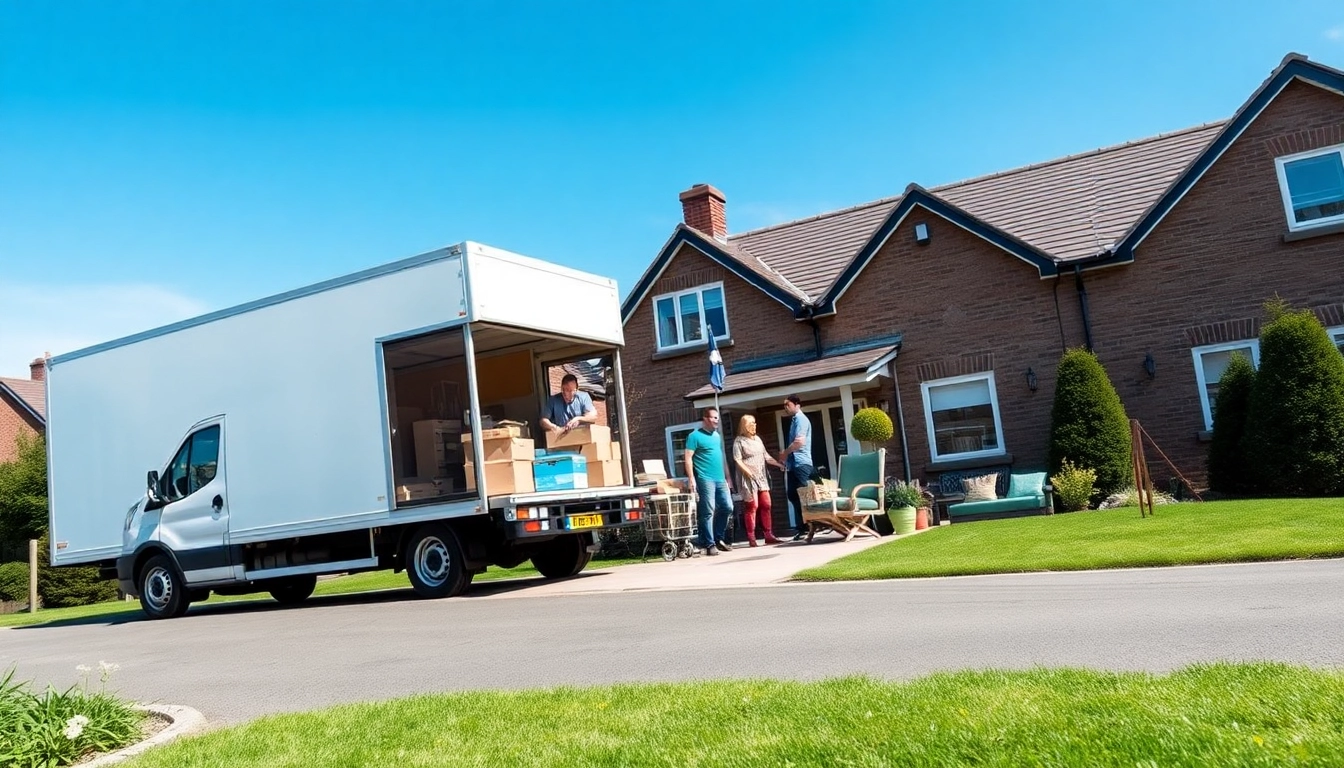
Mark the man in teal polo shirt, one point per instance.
(707, 468)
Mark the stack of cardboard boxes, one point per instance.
(438, 460)
(508, 460)
(602, 457)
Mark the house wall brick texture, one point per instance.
(14, 421)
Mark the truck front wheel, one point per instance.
(163, 594)
(563, 557)
(434, 562)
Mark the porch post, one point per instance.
(847, 409)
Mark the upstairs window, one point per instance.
(1313, 187)
(681, 318)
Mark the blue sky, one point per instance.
(160, 159)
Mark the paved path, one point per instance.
(236, 662)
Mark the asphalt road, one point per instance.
(238, 662)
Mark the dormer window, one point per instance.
(1313, 187)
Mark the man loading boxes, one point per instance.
(568, 408)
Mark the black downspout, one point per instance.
(1082, 303)
(816, 332)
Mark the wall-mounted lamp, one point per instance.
(922, 233)
(1150, 365)
(1031, 379)
(882, 405)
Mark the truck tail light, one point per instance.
(632, 514)
(532, 526)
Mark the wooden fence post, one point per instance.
(32, 575)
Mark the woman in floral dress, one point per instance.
(751, 458)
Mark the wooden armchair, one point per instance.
(862, 492)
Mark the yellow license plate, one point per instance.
(585, 521)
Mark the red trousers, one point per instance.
(749, 509)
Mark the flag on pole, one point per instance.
(715, 364)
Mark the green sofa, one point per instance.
(1027, 494)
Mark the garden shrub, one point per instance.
(64, 587)
(871, 425)
(1088, 424)
(1294, 440)
(1129, 497)
(1073, 485)
(14, 582)
(55, 728)
(1228, 469)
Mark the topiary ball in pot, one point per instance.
(871, 425)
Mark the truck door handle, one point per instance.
(217, 504)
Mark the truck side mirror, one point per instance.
(152, 488)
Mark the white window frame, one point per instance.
(1337, 336)
(1198, 352)
(676, 465)
(1279, 162)
(924, 389)
(699, 290)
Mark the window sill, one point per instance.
(1204, 436)
(947, 465)
(1294, 235)
(698, 349)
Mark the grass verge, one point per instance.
(1178, 534)
(1225, 715)
(343, 585)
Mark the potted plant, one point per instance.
(871, 425)
(902, 500)
(924, 509)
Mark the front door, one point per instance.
(194, 523)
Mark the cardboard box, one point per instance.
(604, 474)
(415, 488)
(495, 433)
(672, 485)
(505, 449)
(579, 437)
(503, 477)
(593, 451)
(560, 472)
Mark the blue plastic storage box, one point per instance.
(560, 472)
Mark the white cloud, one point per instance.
(35, 319)
(1335, 33)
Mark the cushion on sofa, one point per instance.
(1019, 504)
(980, 488)
(842, 505)
(1026, 484)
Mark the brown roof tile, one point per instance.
(1069, 208)
(787, 374)
(32, 393)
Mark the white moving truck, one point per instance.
(347, 426)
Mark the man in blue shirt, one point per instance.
(568, 409)
(797, 457)
(707, 468)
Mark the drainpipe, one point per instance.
(1082, 304)
(816, 331)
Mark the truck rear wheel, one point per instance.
(163, 593)
(294, 589)
(434, 562)
(563, 557)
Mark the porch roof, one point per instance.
(827, 371)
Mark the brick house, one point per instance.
(23, 408)
(949, 307)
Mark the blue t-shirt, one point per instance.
(707, 460)
(800, 425)
(560, 412)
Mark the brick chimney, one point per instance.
(37, 370)
(702, 207)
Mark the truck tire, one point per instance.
(563, 557)
(434, 562)
(294, 589)
(163, 593)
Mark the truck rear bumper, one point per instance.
(547, 518)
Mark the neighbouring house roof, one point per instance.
(591, 378)
(1093, 207)
(30, 395)
(868, 362)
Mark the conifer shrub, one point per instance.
(1088, 424)
(1228, 469)
(1294, 438)
(14, 582)
(67, 586)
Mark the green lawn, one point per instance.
(1223, 715)
(1179, 534)
(342, 585)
